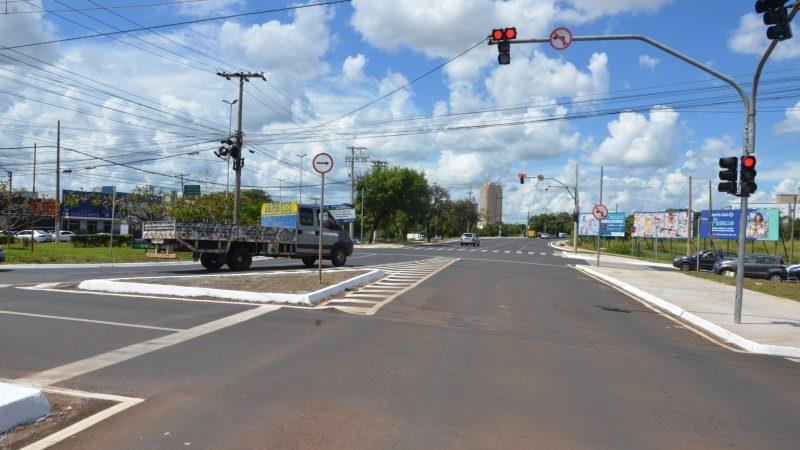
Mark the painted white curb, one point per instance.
(716, 330)
(20, 405)
(309, 299)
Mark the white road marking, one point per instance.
(484, 251)
(530, 253)
(519, 253)
(77, 319)
(507, 251)
(351, 300)
(5, 285)
(543, 254)
(494, 251)
(74, 369)
(394, 296)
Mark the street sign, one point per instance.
(191, 190)
(344, 213)
(322, 163)
(540, 178)
(560, 38)
(600, 212)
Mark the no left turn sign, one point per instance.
(322, 163)
(600, 212)
(560, 38)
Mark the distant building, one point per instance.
(491, 205)
(90, 212)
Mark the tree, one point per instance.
(217, 208)
(142, 204)
(395, 196)
(461, 216)
(439, 202)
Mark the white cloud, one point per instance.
(635, 141)
(353, 67)
(790, 125)
(750, 38)
(592, 9)
(19, 29)
(648, 62)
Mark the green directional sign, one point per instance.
(191, 190)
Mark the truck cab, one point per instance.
(336, 242)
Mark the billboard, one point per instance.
(343, 213)
(611, 226)
(89, 205)
(664, 225)
(762, 224)
(281, 215)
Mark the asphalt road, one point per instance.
(506, 347)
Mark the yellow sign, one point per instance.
(278, 209)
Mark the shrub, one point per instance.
(7, 240)
(100, 240)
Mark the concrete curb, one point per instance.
(308, 299)
(20, 405)
(710, 327)
(626, 260)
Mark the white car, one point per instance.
(470, 239)
(38, 236)
(66, 236)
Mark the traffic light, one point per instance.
(775, 14)
(728, 175)
(503, 36)
(521, 178)
(747, 176)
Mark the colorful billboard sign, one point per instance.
(344, 213)
(762, 224)
(662, 225)
(611, 226)
(280, 215)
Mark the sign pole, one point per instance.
(321, 209)
(599, 222)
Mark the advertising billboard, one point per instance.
(762, 224)
(662, 225)
(87, 204)
(611, 226)
(282, 215)
(343, 213)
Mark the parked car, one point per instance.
(356, 241)
(470, 239)
(66, 236)
(2, 254)
(769, 267)
(793, 272)
(544, 235)
(707, 260)
(38, 236)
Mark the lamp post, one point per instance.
(300, 186)
(230, 130)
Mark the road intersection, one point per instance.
(503, 345)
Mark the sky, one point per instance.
(413, 82)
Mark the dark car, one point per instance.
(755, 266)
(793, 272)
(2, 254)
(707, 260)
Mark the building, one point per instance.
(90, 212)
(491, 204)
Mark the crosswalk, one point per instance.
(400, 278)
(432, 248)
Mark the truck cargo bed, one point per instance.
(164, 231)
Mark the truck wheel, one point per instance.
(239, 258)
(338, 256)
(308, 261)
(212, 261)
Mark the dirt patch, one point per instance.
(289, 283)
(67, 410)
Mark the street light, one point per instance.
(300, 186)
(228, 158)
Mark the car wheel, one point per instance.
(308, 260)
(338, 257)
(686, 267)
(728, 273)
(776, 278)
(239, 258)
(211, 261)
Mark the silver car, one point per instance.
(470, 239)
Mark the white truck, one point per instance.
(287, 230)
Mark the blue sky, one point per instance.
(325, 62)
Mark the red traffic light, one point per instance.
(510, 33)
(497, 34)
(748, 162)
(521, 178)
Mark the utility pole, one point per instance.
(34, 194)
(300, 186)
(362, 215)
(599, 221)
(710, 209)
(691, 222)
(181, 175)
(236, 149)
(58, 183)
(353, 159)
(230, 130)
(577, 211)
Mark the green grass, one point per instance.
(62, 252)
(790, 290)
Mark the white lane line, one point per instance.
(543, 254)
(365, 296)
(530, 253)
(494, 251)
(74, 369)
(519, 253)
(4, 285)
(375, 308)
(507, 251)
(349, 300)
(484, 251)
(78, 319)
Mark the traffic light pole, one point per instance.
(749, 104)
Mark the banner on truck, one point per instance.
(612, 226)
(762, 224)
(662, 225)
(281, 215)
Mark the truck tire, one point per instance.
(308, 260)
(211, 261)
(338, 256)
(239, 258)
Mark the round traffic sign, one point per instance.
(560, 38)
(540, 178)
(322, 163)
(600, 212)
